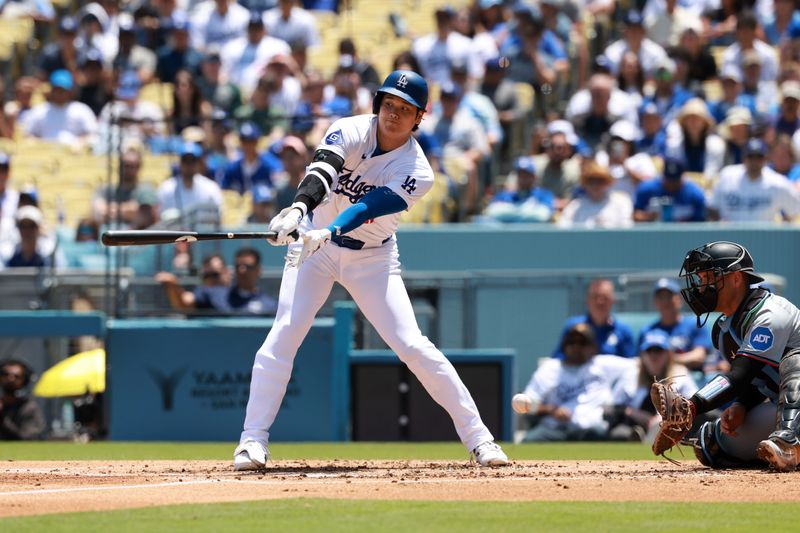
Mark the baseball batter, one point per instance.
(759, 333)
(367, 170)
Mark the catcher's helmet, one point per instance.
(716, 259)
(405, 84)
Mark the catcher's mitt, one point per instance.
(676, 415)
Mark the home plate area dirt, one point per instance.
(38, 487)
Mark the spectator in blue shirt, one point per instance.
(525, 202)
(613, 337)
(669, 198)
(786, 121)
(251, 167)
(732, 95)
(690, 345)
(653, 139)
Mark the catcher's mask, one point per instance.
(715, 259)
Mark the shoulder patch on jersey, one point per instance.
(334, 137)
(762, 338)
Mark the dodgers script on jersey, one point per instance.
(404, 170)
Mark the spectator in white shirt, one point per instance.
(746, 25)
(291, 23)
(217, 22)
(599, 207)
(651, 55)
(246, 56)
(571, 396)
(435, 52)
(61, 118)
(139, 119)
(753, 192)
(189, 195)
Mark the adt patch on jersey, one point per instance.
(334, 137)
(761, 339)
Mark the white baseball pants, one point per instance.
(372, 277)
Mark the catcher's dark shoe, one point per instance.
(780, 455)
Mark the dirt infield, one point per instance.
(38, 487)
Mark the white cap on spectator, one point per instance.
(29, 212)
(564, 127)
(731, 72)
(790, 89)
(625, 130)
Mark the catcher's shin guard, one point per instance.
(709, 452)
(788, 415)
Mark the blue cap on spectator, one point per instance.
(633, 17)
(249, 132)
(655, 338)
(256, 19)
(179, 22)
(601, 64)
(525, 164)
(673, 168)
(62, 79)
(486, 4)
(262, 193)
(190, 149)
(523, 9)
(666, 284)
(129, 85)
(68, 25)
(755, 146)
(5, 159)
(497, 63)
(449, 88)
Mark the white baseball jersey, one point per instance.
(740, 199)
(585, 390)
(371, 274)
(404, 170)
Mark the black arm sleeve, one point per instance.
(750, 397)
(319, 178)
(743, 371)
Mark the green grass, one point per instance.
(360, 515)
(43, 451)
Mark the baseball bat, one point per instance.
(141, 237)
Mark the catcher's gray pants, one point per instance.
(757, 426)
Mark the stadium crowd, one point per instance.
(579, 113)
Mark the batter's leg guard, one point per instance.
(788, 417)
(709, 452)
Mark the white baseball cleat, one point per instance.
(250, 455)
(490, 454)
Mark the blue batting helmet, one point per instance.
(405, 84)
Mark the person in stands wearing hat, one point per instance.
(730, 78)
(34, 248)
(752, 191)
(245, 57)
(691, 346)
(668, 95)
(568, 396)
(764, 92)
(787, 120)
(634, 416)
(503, 94)
(600, 207)
(251, 168)
(131, 55)
(746, 41)
(736, 130)
(61, 53)
(691, 138)
(651, 55)
(190, 195)
(669, 198)
(652, 138)
(94, 81)
(559, 166)
(215, 87)
(593, 110)
(177, 54)
(523, 200)
(61, 118)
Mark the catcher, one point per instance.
(759, 333)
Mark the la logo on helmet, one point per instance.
(402, 82)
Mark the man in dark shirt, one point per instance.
(60, 54)
(21, 418)
(93, 88)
